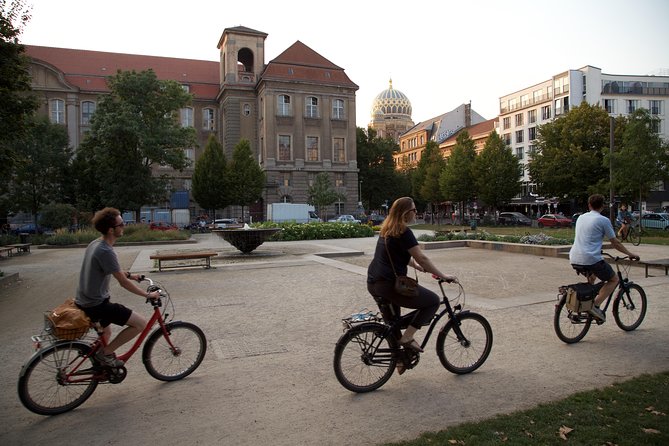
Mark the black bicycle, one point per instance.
(633, 233)
(368, 352)
(572, 319)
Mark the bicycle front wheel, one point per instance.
(45, 387)
(570, 327)
(629, 307)
(465, 347)
(364, 359)
(634, 236)
(175, 355)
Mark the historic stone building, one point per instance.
(391, 114)
(297, 110)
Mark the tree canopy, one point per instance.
(210, 177)
(322, 194)
(497, 173)
(457, 179)
(134, 129)
(246, 177)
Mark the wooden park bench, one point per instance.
(206, 255)
(662, 263)
(6, 251)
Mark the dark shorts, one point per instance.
(108, 313)
(602, 270)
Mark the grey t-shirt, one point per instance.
(99, 263)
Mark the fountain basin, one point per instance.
(246, 240)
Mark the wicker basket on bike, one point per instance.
(67, 321)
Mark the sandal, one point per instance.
(400, 367)
(412, 345)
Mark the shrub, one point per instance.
(316, 231)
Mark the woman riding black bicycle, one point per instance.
(396, 249)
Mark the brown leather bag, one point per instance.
(406, 286)
(69, 321)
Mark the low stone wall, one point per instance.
(520, 248)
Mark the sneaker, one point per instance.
(108, 360)
(597, 313)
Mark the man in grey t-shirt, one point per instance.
(591, 229)
(99, 265)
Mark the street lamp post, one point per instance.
(360, 192)
(612, 122)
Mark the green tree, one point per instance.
(210, 177)
(43, 156)
(380, 180)
(570, 154)
(247, 179)
(18, 103)
(643, 159)
(497, 173)
(322, 194)
(135, 128)
(58, 215)
(457, 178)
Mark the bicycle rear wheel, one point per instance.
(570, 327)
(467, 353)
(178, 357)
(629, 307)
(364, 359)
(634, 236)
(43, 383)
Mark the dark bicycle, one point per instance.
(633, 233)
(368, 352)
(572, 320)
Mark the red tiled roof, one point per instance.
(301, 63)
(88, 70)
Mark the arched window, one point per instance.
(311, 110)
(209, 119)
(284, 105)
(187, 117)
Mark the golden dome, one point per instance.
(391, 102)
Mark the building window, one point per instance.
(247, 110)
(546, 112)
(339, 150)
(87, 110)
(532, 150)
(208, 119)
(312, 148)
(338, 109)
(558, 107)
(187, 117)
(531, 133)
(507, 138)
(284, 148)
(531, 116)
(57, 111)
(506, 123)
(519, 119)
(632, 105)
(339, 179)
(655, 107)
(311, 110)
(656, 126)
(519, 136)
(190, 154)
(284, 105)
(519, 153)
(286, 178)
(311, 179)
(610, 105)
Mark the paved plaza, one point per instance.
(272, 320)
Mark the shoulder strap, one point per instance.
(390, 259)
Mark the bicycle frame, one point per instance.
(623, 284)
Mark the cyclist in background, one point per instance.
(591, 229)
(623, 219)
(100, 263)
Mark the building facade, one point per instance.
(523, 111)
(297, 110)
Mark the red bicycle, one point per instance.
(62, 374)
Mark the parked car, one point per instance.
(30, 228)
(554, 221)
(225, 223)
(375, 219)
(345, 218)
(514, 219)
(655, 221)
(574, 218)
(162, 226)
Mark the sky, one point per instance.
(439, 53)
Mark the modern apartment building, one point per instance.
(297, 110)
(522, 111)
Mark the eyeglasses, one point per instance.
(120, 224)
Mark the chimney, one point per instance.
(468, 115)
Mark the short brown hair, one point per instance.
(596, 201)
(104, 219)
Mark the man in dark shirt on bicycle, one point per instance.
(591, 229)
(100, 263)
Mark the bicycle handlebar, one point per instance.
(618, 258)
(442, 280)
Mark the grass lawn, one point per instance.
(633, 412)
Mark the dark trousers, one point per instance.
(427, 302)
